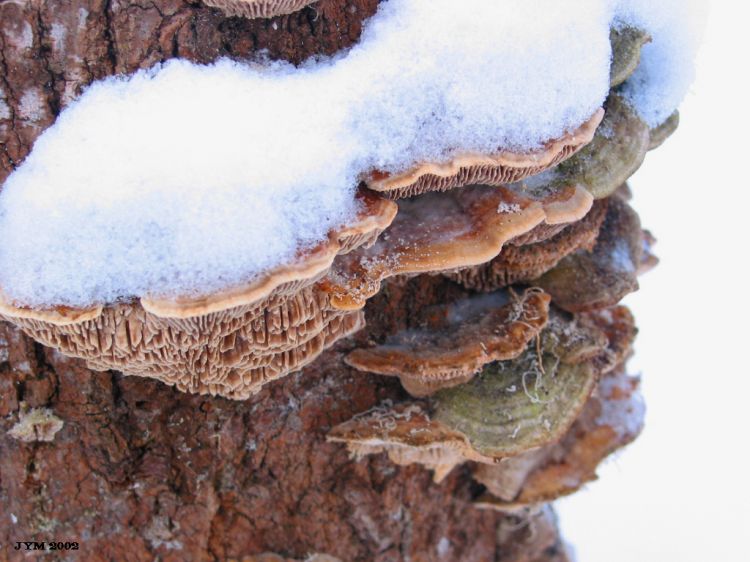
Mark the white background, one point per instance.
(682, 491)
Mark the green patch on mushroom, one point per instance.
(661, 133)
(602, 166)
(617, 151)
(626, 43)
(514, 406)
(592, 280)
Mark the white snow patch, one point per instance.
(83, 15)
(57, 33)
(4, 109)
(667, 69)
(31, 106)
(20, 36)
(443, 546)
(186, 179)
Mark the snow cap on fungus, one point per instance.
(259, 8)
(486, 169)
(616, 152)
(459, 341)
(229, 343)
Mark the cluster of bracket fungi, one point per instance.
(524, 379)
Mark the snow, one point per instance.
(187, 179)
(667, 67)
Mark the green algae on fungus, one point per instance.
(601, 167)
(627, 42)
(661, 133)
(514, 406)
(612, 419)
(600, 278)
(511, 407)
(258, 8)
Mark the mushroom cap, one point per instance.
(229, 343)
(660, 134)
(462, 338)
(588, 280)
(627, 42)
(523, 263)
(612, 419)
(258, 8)
(408, 435)
(514, 406)
(439, 232)
(454, 433)
(616, 152)
(487, 169)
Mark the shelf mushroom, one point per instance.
(511, 407)
(259, 8)
(463, 338)
(522, 262)
(486, 169)
(439, 232)
(228, 343)
(612, 419)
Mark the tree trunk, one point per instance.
(131, 469)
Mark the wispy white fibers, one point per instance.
(186, 179)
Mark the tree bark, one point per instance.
(139, 471)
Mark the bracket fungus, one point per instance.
(627, 42)
(458, 342)
(660, 134)
(229, 343)
(439, 232)
(511, 407)
(614, 154)
(587, 280)
(259, 8)
(486, 169)
(612, 419)
(520, 263)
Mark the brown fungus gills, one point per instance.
(486, 169)
(230, 343)
(459, 341)
(259, 8)
(521, 263)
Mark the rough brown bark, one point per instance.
(139, 471)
